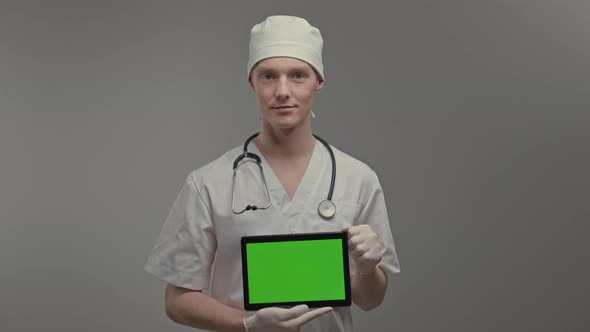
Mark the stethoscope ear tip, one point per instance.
(251, 207)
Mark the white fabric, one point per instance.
(201, 226)
(283, 35)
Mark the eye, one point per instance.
(299, 75)
(266, 76)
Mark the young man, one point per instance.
(285, 71)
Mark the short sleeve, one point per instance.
(374, 213)
(185, 248)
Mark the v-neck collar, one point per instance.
(278, 193)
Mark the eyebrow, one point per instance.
(298, 68)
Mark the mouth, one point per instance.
(285, 107)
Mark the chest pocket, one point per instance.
(346, 212)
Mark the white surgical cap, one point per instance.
(289, 36)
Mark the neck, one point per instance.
(285, 143)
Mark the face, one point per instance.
(284, 90)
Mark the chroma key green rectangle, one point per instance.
(292, 269)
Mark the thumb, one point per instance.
(346, 226)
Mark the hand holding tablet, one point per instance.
(275, 319)
(365, 248)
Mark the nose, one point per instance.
(282, 91)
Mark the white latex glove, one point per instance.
(282, 320)
(365, 248)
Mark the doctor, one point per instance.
(285, 71)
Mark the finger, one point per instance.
(365, 228)
(306, 317)
(351, 246)
(369, 256)
(353, 230)
(355, 242)
(346, 226)
(359, 251)
(294, 312)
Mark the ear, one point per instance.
(319, 86)
(250, 83)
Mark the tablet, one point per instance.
(291, 269)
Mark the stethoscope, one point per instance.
(326, 208)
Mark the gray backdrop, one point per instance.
(475, 115)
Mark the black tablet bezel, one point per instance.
(297, 237)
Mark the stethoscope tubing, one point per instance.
(258, 160)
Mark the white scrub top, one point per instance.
(202, 229)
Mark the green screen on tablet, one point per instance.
(296, 269)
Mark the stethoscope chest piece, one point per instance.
(327, 209)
